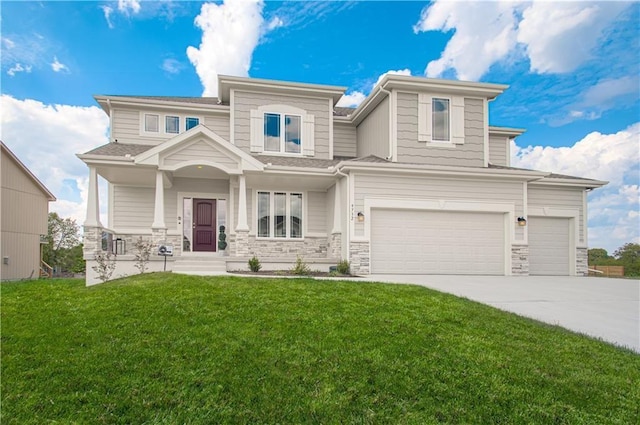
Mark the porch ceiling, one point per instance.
(201, 172)
(130, 175)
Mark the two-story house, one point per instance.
(414, 180)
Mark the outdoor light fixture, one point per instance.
(360, 217)
(522, 221)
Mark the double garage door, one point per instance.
(437, 242)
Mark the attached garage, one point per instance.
(549, 246)
(437, 242)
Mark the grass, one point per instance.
(167, 349)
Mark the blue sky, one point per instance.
(573, 70)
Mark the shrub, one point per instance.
(143, 253)
(106, 265)
(343, 267)
(254, 264)
(300, 268)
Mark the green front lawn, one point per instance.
(170, 349)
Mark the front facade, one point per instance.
(414, 180)
(24, 208)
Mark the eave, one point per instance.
(577, 182)
(506, 131)
(108, 102)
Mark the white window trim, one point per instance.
(162, 123)
(283, 134)
(307, 130)
(450, 104)
(272, 214)
(425, 120)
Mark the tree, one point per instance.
(629, 256)
(597, 256)
(63, 235)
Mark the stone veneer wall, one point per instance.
(520, 260)
(335, 245)
(241, 244)
(309, 247)
(582, 260)
(359, 258)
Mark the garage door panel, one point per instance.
(437, 242)
(549, 246)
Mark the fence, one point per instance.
(608, 271)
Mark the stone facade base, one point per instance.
(582, 260)
(335, 245)
(241, 242)
(520, 260)
(308, 247)
(359, 258)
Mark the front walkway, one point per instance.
(603, 308)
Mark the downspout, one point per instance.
(347, 231)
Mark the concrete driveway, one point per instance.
(603, 308)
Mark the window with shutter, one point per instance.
(281, 129)
(440, 119)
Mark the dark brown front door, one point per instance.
(204, 225)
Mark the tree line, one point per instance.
(628, 255)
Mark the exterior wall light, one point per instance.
(522, 221)
(360, 217)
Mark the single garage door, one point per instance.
(548, 246)
(437, 242)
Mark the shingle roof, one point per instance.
(549, 176)
(119, 149)
(339, 111)
(185, 99)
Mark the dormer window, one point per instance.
(440, 117)
(282, 130)
(441, 120)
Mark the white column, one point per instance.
(93, 203)
(337, 218)
(242, 206)
(158, 217)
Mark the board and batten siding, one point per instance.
(434, 188)
(558, 197)
(344, 140)
(126, 125)
(498, 150)
(469, 154)
(244, 102)
(373, 132)
(24, 218)
(316, 212)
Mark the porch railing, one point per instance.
(45, 270)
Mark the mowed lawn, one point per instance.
(170, 349)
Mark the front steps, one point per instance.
(201, 265)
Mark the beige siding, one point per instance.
(558, 197)
(126, 125)
(470, 154)
(434, 188)
(133, 207)
(316, 212)
(344, 140)
(202, 151)
(498, 150)
(373, 132)
(24, 219)
(244, 102)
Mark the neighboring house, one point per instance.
(414, 180)
(24, 210)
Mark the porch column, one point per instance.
(242, 205)
(158, 217)
(93, 203)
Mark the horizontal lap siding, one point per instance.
(373, 132)
(430, 188)
(344, 140)
(244, 102)
(558, 198)
(200, 151)
(498, 150)
(470, 154)
(133, 207)
(219, 124)
(316, 212)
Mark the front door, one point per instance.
(204, 224)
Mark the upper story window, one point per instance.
(282, 133)
(282, 129)
(173, 124)
(441, 120)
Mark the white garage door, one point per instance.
(548, 246)
(437, 242)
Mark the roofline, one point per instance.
(506, 131)
(42, 187)
(107, 101)
(577, 182)
(227, 82)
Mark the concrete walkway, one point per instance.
(603, 308)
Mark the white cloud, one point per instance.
(125, 6)
(172, 66)
(555, 36)
(57, 66)
(18, 68)
(107, 15)
(613, 209)
(356, 97)
(274, 23)
(46, 139)
(8, 43)
(230, 33)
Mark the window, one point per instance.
(276, 140)
(172, 124)
(151, 123)
(440, 116)
(191, 122)
(279, 215)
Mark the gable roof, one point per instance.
(6, 151)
